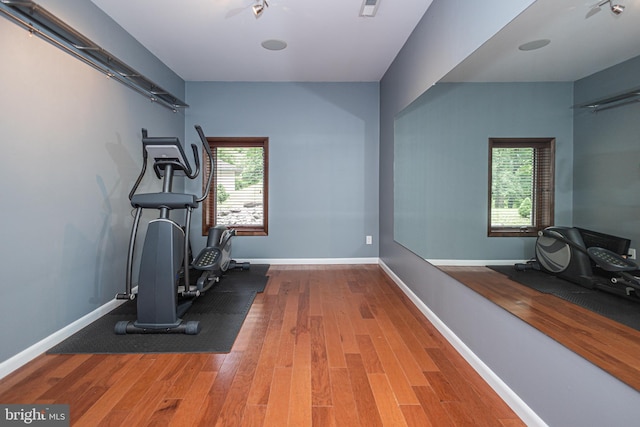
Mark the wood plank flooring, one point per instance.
(322, 346)
(608, 344)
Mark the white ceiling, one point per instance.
(584, 40)
(220, 40)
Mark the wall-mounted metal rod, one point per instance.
(42, 23)
(597, 108)
(625, 98)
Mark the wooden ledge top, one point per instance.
(606, 343)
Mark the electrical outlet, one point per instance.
(632, 253)
(369, 240)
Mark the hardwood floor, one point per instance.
(606, 343)
(322, 346)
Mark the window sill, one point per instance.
(518, 233)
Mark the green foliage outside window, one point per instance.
(512, 184)
(221, 193)
(252, 162)
(525, 208)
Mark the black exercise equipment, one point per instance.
(164, 284)
(588, 258)
(215, 259)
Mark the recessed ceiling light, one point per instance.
(536, 44)
(274, 44)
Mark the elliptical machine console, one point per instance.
(161, 299)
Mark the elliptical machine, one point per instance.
(563, 252)
(165, 254)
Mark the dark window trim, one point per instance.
(209, 205)
(542, 219)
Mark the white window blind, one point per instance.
(521, 185)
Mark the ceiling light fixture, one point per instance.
(617, 9)
(259, 7)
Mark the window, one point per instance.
(521, 185)
(239, 191)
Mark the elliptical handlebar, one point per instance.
(144, 167)
(205, 145)
(159, 165)
(196, 160)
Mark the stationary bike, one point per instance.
(161, 299)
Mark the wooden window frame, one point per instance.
(543, 209)
(209, 206)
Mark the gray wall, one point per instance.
(558, 385)
(71, 150)
(323, 162)
(607, 156)
(71, 146)
(441, 163)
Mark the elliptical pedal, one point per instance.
(207, 259)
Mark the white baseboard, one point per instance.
(528, 416)
(312, 261)
(27, 355)
(471, 262)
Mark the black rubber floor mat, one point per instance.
(614, 307)
(538, 280)
(221, 315)
(221, 312)
(238, 280)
